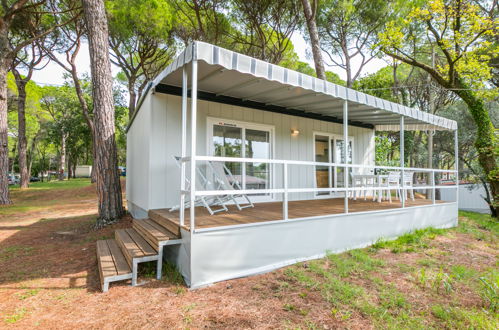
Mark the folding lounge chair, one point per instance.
(227, 181)
(207, 201)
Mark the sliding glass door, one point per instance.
(328, 148)
(235, 139)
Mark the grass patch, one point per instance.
(16, 316)
(481, 226)
(28, 293)
(355, 261)
(15, 251)
(54, 185)
(460, 318)
(410, 242)
(35, 197)
(489, 290)
(461, 272)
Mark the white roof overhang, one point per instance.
(229, 77)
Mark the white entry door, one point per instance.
(246, 140)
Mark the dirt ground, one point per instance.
(49, 279)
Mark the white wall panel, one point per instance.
(138, 147)
(166, 136)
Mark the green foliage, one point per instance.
(152, 18)
(263, 28)
(292, 62)
(458, 28)
(347, 30)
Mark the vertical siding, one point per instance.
(137, 160)
(166, 133)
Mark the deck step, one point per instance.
(113, 265)
(161, 219)
(133, 245)
(152, 232)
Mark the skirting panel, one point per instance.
(236, 252)
(136, 211)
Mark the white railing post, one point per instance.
(433, 195)
(285, 194)
(456, 163)
(194, 94)
(345, 151)
(183, 152)
(402, 161)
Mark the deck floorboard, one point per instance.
(273, 211)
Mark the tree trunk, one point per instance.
(31, 152)
(4, 140)
(93, 173)
(86, 114)
(310, 14)
(62, 161)
(486, 141)
(22, 143)
(108, 181)
(430, 162)
(133, 98)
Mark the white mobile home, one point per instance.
(288, 188)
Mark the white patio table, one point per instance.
(375, 182)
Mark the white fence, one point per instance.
(470, 198)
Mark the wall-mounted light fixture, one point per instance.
(295, 132)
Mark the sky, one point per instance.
(53, 74)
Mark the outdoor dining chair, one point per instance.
(392, 182)
(409, 184)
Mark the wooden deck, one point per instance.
(273, 211)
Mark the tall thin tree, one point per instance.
(106, 161)
(15, 18)
(310, 12)
(28, 59)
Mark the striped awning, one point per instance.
(228, 75)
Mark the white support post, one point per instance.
(194, 97)
(183, 153)
(285, 194)
(456, 163)
(345, 151)
(402, 162)
(433, 195)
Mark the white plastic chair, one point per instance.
(357, 182)
(392, 182)
(409, 184)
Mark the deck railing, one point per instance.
(346, 189)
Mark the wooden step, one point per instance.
(112, 264)
(160, 217)
(152, 232)
(133, 244)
